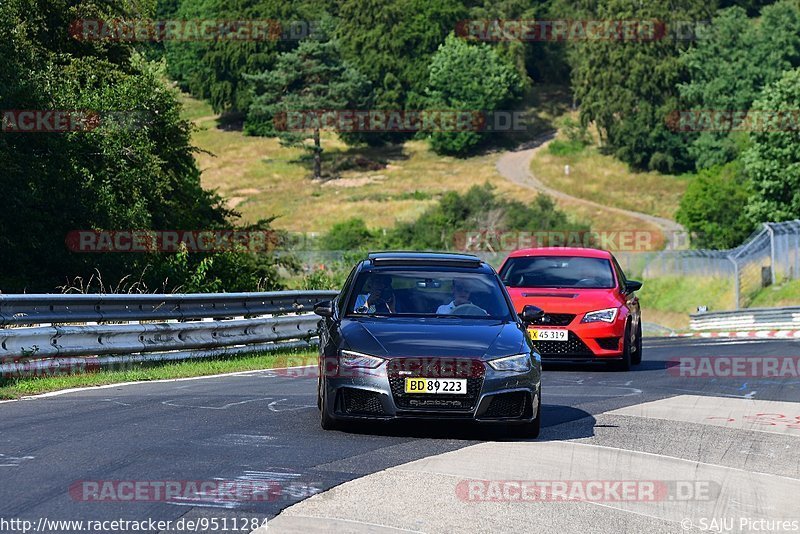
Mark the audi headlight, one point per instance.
(351, 358)
(518, 363)
(606, 316)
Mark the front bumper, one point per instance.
(587, 342)
(493, 397)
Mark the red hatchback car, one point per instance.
(591, 311)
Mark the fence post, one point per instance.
(735, 281)
(771, 251)
(796, 273)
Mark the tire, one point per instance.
(530, 430)
(325, 420)
(625, 363)
(319, 393)
(636, 357)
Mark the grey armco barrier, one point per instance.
(748, 319)
(40, 332)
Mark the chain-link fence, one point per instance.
(770, 255)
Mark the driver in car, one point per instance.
(461, 297)
(380, 298)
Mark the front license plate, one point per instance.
(548, 334)
(441, 386)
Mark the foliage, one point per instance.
(773, 160)
(134, 171)
(351, 234)
(393, 41)
(733, 61)
(468, 77)
(479, 209)
(577, 138)
(713, 208)
(628, 87)
(214, 69)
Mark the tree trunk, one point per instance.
(317, 156)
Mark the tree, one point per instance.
(773, 160)
(134, 171)
(309, 80)
(392, 41)
(730, 65)
(214, 69)
(629, 87)
(713, 207)
(468, 77)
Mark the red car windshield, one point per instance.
(558, 271)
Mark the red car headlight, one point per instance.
(607, 315)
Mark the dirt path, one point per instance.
(516, 167)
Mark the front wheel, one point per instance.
(626, 362)
(636, 357)
(531, 430)
(325, 420)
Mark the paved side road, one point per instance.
(516, 167)
(261, 429)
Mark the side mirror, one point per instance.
(531, 313)
(324, 308)
(632, 286)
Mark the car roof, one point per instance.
(580, 252)
(425, 259)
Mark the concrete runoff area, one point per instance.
(434, 494)
(748, 414)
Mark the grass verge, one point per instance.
(785, 294)
(669, 300)
(19, 387)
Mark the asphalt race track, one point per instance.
(263, 428)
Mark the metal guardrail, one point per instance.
(749, 319)
(149, 327)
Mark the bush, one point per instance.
(348, 235)
(713, 207)
(558, 147)
(479, 209)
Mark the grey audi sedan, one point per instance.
(427, 336)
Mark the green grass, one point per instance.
(669, 300)
(20, 387)
(606, 180)
(559, 147)
(786, 294)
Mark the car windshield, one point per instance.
(437, 294)
(558, 271)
